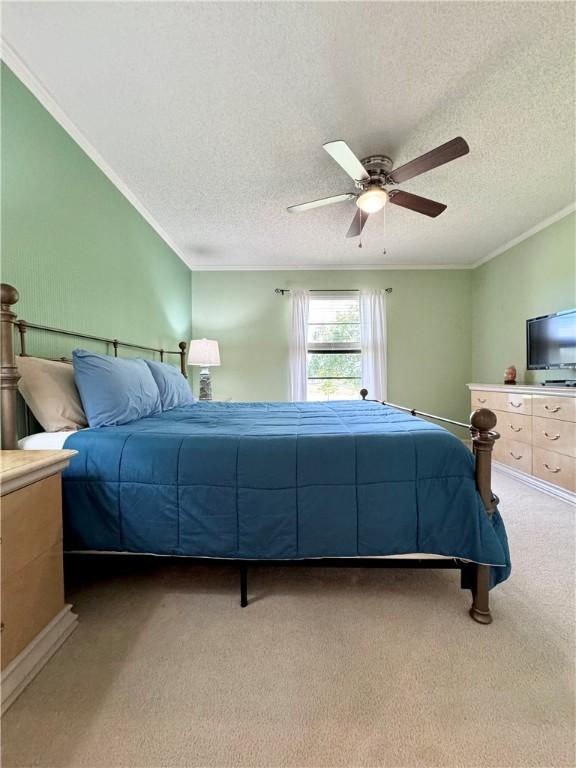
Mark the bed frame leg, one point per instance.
(243, 585)
(480, 610)
(467, 576)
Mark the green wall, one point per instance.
(79, 253)
(535, 277)
(429, 329)
(445, 327)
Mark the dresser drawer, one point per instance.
(31, 523)
(554, 435)
(514, 453)
(550, 407)
(31, 597)
(555, 468)
(495, 401)
(518, 403)
(502, 401)
(514, 426)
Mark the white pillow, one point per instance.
(49, 389)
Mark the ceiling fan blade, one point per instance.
(322, 201)
(360, 218)
(346, 159)
(416, 203)
(443, 154)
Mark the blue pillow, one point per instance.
(173, 387)
(113, 390)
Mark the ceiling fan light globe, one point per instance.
(373, 200)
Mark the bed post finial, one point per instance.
(482, 423)
(363, 393)
(183, 370)
(8, 372)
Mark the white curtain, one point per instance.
(373, 340)
(298, 344)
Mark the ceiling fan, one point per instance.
(373, 174)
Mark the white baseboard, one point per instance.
(30, 661)
(536, 482)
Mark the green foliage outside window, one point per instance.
(338, 374)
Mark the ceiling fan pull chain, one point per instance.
(384, 227)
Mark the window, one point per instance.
(334, 352)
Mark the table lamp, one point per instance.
(205, 353)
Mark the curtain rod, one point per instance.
(328, 290)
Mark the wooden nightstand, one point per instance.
(35, 618)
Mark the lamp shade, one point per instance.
(203, 352)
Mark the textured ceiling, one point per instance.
(214, 115)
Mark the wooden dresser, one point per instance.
(35, 618)
(537, 427)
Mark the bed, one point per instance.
(347, 483)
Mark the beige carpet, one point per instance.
(324, 668)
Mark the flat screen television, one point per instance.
(551, 341)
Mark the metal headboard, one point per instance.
(9, 373)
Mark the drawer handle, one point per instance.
(515, 405)
(550, 468)
(515, 429)
(555, 409)
(550, 437)
(481, 399)
(514, 456)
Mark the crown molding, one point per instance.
(24, 74)
(327, 267)
(525, 235)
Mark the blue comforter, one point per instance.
(279, 480)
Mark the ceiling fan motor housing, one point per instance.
(378, 167)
